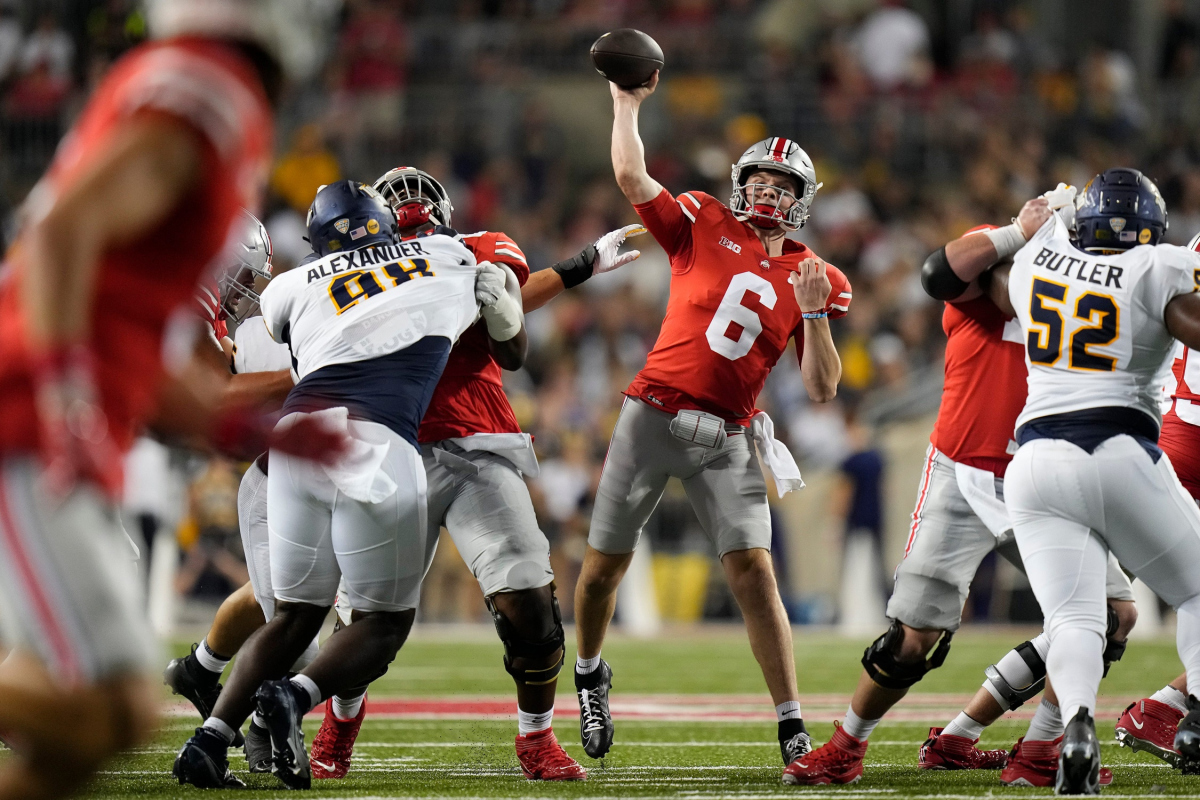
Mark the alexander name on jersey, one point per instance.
(1095, 272)
(370, 257)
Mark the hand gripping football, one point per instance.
(627, 57)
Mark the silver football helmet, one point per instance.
(289, 30)
(751, 201)
(250, 260)
(415, 196)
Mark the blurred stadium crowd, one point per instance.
(923, 118)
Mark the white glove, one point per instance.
(499, 295)
(1062, 200)
(489, 283)
(607, 257)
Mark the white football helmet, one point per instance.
(289, 30)
(250, 259)
(778, 155)
(415, 196)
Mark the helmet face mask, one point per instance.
(252, 260)
(415, 196)
(751, 202)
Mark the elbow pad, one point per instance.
(939, 280)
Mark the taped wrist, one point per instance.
(1006, 240)
(503, 319)
(938, 278)
(577, 269)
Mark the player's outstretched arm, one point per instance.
(950, 272)
(599, 257)
(820, 365)
(133, 185)
(628, 153)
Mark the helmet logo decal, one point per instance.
(358, 233)
(372, 226)
(1144, 236)
(1117, 224)
(342, 225)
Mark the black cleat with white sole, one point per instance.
(281, 710)
(258, 749)
(203, 763)
(1187, 739)
(185, 677)
(1079, 757)
(595, 722)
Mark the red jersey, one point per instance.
(470, 397)
(214, 90)
(731, 311)
(1180, 436)
(985, 385)
(208, 305)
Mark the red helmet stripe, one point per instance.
(779, 148)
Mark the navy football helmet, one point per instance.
(348, 215)
(1119, 209)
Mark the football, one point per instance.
(627, 57)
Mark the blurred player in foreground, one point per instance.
(137, 204)
(740, 290)
(1098, 308)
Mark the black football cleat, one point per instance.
(258, 749)
(185, 677)
(203, 762)
(281, 712)
(595, 722)
(795, 746)
(1079, 757)
(1187, 739)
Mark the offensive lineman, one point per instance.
(1098, 309)
(135, 205)
(370, 325)
(739, 291)
(475, 454)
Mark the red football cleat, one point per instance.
(1036, 764)
(945, 751)
(840, 760)
(334, 743)
(1148, 726)
(543, 759)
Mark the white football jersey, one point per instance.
(363, 304)
(255, 351)
(1093, 324)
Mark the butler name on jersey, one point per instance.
(1093, 322)
(418, 288)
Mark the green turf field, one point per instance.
(402, 757)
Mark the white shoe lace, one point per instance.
(799, 745)
(592, 717)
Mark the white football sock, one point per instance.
(528, 723)
(1047, 723)
(206, 658)
(586, 665)
(858, 727)
(1172, 697)
(348, 709)
(788, 710)
(964, 726)
(1187, 641)
(220, 728)
(310, 687)
(1075, 667)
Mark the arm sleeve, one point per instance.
(670, 220)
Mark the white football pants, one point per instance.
(1068, 509)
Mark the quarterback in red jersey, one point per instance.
(740, 290)
(136, 205)
(959, 518)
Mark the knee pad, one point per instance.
(517, 647)
(1113, 650)
(879, 660)
(1000, 685)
